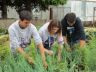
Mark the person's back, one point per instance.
(72, 28)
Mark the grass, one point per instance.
(80, 56)
(3, 31)
(19, 64)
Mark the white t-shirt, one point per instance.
(48, 40)
(22, 37)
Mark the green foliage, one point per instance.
(90, 55)
(4, 47)
(4, 52)
(3, 39)
(3, 31)
(30, 4)
(71, 61)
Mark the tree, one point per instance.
(3, 8)
(29, 4)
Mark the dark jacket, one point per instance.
(75, 32)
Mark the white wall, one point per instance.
(83, 9)
(60, 11)
(41, 14)
(11, 13)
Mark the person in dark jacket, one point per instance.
(72, 30)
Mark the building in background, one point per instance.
(83, 9)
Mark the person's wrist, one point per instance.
(67, 46)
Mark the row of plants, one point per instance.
(79, 60)
(3, 31)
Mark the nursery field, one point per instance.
(79, 60)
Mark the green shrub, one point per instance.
(3, 31)
(85, 57)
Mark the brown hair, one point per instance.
(54, 23)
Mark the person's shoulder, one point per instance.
(78, 22)
(13, 25)
(32, 26)
(64, 19)
(78, 19)
(46, 24)
(44, 27)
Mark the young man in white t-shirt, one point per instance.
(20, 34)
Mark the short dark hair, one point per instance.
(25, 14)
(71, 17)
(54, 23)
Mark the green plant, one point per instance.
(71, 61)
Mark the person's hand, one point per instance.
(59, 58)
(45, 64)
(30, 60)
(50, 52)
(68, 49)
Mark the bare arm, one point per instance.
(60, 46)
(26, 56)
(65, 39)
(39, 44)
(82, 43)
(66, 44)
(59, 52)
(42, 51)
